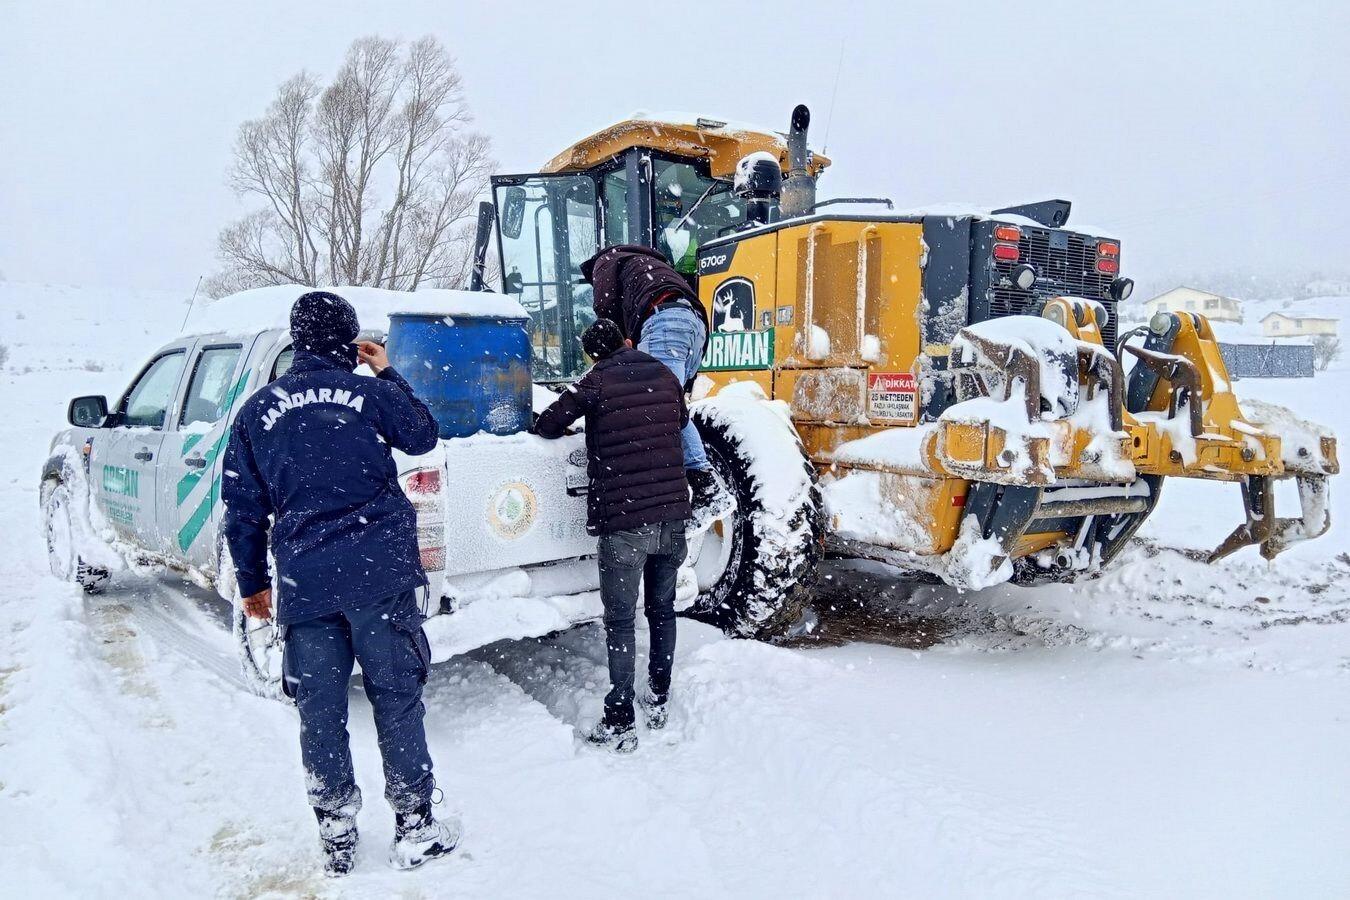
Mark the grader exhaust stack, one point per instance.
(799, 188)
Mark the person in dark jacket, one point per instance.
(308, 470)
(637, 503)
(658, 313)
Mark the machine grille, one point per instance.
(1067, 263)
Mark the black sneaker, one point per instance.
(654, 710)
(419, 838)
(338, 836)
(618, 738)
(711, 499)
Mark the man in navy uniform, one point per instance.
(311, 452)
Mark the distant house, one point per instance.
(1215, 307)
(1279, 325)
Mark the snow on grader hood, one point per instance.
(956, 379)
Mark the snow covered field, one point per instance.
(1169, 729)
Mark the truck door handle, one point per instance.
(196, 462)
(144, 455)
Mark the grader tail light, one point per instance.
(1108, 257)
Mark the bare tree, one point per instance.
(370, 180)
(1326, 350)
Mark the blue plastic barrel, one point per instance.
(472, 372)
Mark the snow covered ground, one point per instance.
(1169, 729)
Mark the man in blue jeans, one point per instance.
(309, 468)
(658, 314)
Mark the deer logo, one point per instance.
(733, 305)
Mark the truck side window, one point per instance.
(211, 391)
(283, 363)
(147, 402)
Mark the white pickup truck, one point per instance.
(138, 480)
(501, 520)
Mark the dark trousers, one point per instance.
(651, 555)
(386, 637)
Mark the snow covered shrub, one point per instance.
(1326, 350)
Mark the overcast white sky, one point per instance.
(1207, 135)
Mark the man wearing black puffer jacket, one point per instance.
(637, 503)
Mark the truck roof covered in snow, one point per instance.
(684, 134)
(270, 307)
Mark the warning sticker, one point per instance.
(893, 397)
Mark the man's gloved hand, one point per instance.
(259, 606)
(373, 355)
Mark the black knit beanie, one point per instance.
(601, 339)
(322, 321)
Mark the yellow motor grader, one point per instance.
(946, 392)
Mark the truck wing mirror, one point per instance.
(513, 211)
(88, 412)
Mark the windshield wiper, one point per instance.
(716, 186)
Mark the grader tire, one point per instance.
(773, 555)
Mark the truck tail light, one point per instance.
(423, 487)
(424, 481)
(1006, 252)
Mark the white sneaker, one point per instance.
(419, 837)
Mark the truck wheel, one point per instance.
(756, 567)
(60, 532)
(258, 641)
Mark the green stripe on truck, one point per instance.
(189, 481)
(193, 526)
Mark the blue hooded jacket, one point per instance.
(312, 450)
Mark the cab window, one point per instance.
(614, 193)
(689, 209)
(548, 229)
(210, 391)
(147, 403)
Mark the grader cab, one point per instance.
(957, 382)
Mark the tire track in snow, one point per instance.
(178, 617)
